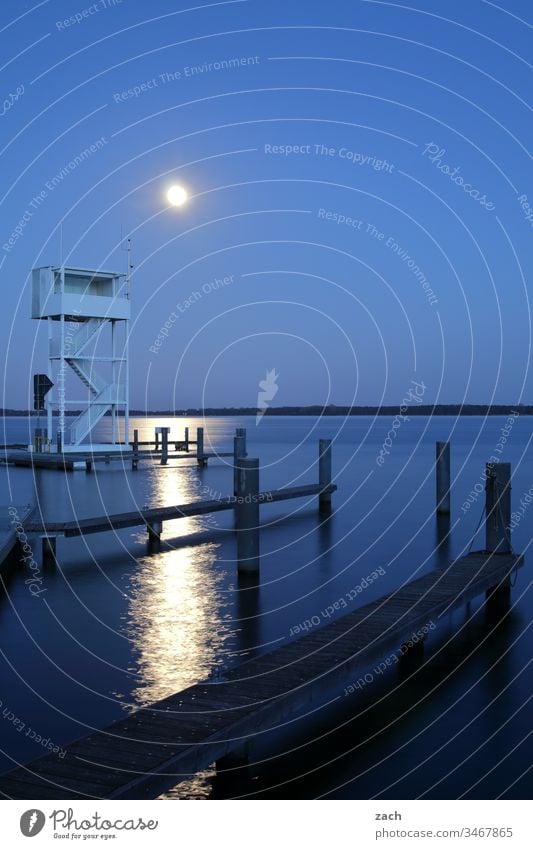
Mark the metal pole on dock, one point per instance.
(442, 466)
(239, 453)
(498, 507)
(135, 456)
(324, 473)
(247, 515)
(164, 445)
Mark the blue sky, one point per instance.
(358, 171)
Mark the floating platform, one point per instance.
(151, 750)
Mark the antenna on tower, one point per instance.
(129, 264)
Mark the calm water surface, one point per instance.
(117, 627)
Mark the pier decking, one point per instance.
(151, 750)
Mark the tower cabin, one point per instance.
(88, 315)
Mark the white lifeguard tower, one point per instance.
(86, 311)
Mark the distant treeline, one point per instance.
(330, 410)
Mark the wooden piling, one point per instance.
(241, 432)
(498, 530)
(164, 445)
(49, 550)
(156, 438)
(155, 529)
(324, 473)
(135, 456)
(239, 452)
(247, 516)
(200, 456)
(498, 507)
(187, 440)
(442, 469)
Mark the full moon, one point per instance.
(176, 195)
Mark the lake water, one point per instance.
(117, 627)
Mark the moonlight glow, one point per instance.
(176, 195)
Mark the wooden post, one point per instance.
(88, 465)
(498, 530)
(442, 467)
(155, 529)
(247, 516)
(164, 445)
(498, 507)
(200, 456)
(239, 452)
(156, 433)
(49, 550)
(241, 431)
(187, 440)
(324, 472)
(135, 456)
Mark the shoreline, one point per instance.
(331, 411)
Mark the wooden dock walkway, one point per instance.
(154, 748)
(153, 515)
(71, 461)
(88, 455)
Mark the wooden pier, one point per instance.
(71, 461)
(157, 515)
(157, 449)
(154, 748)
